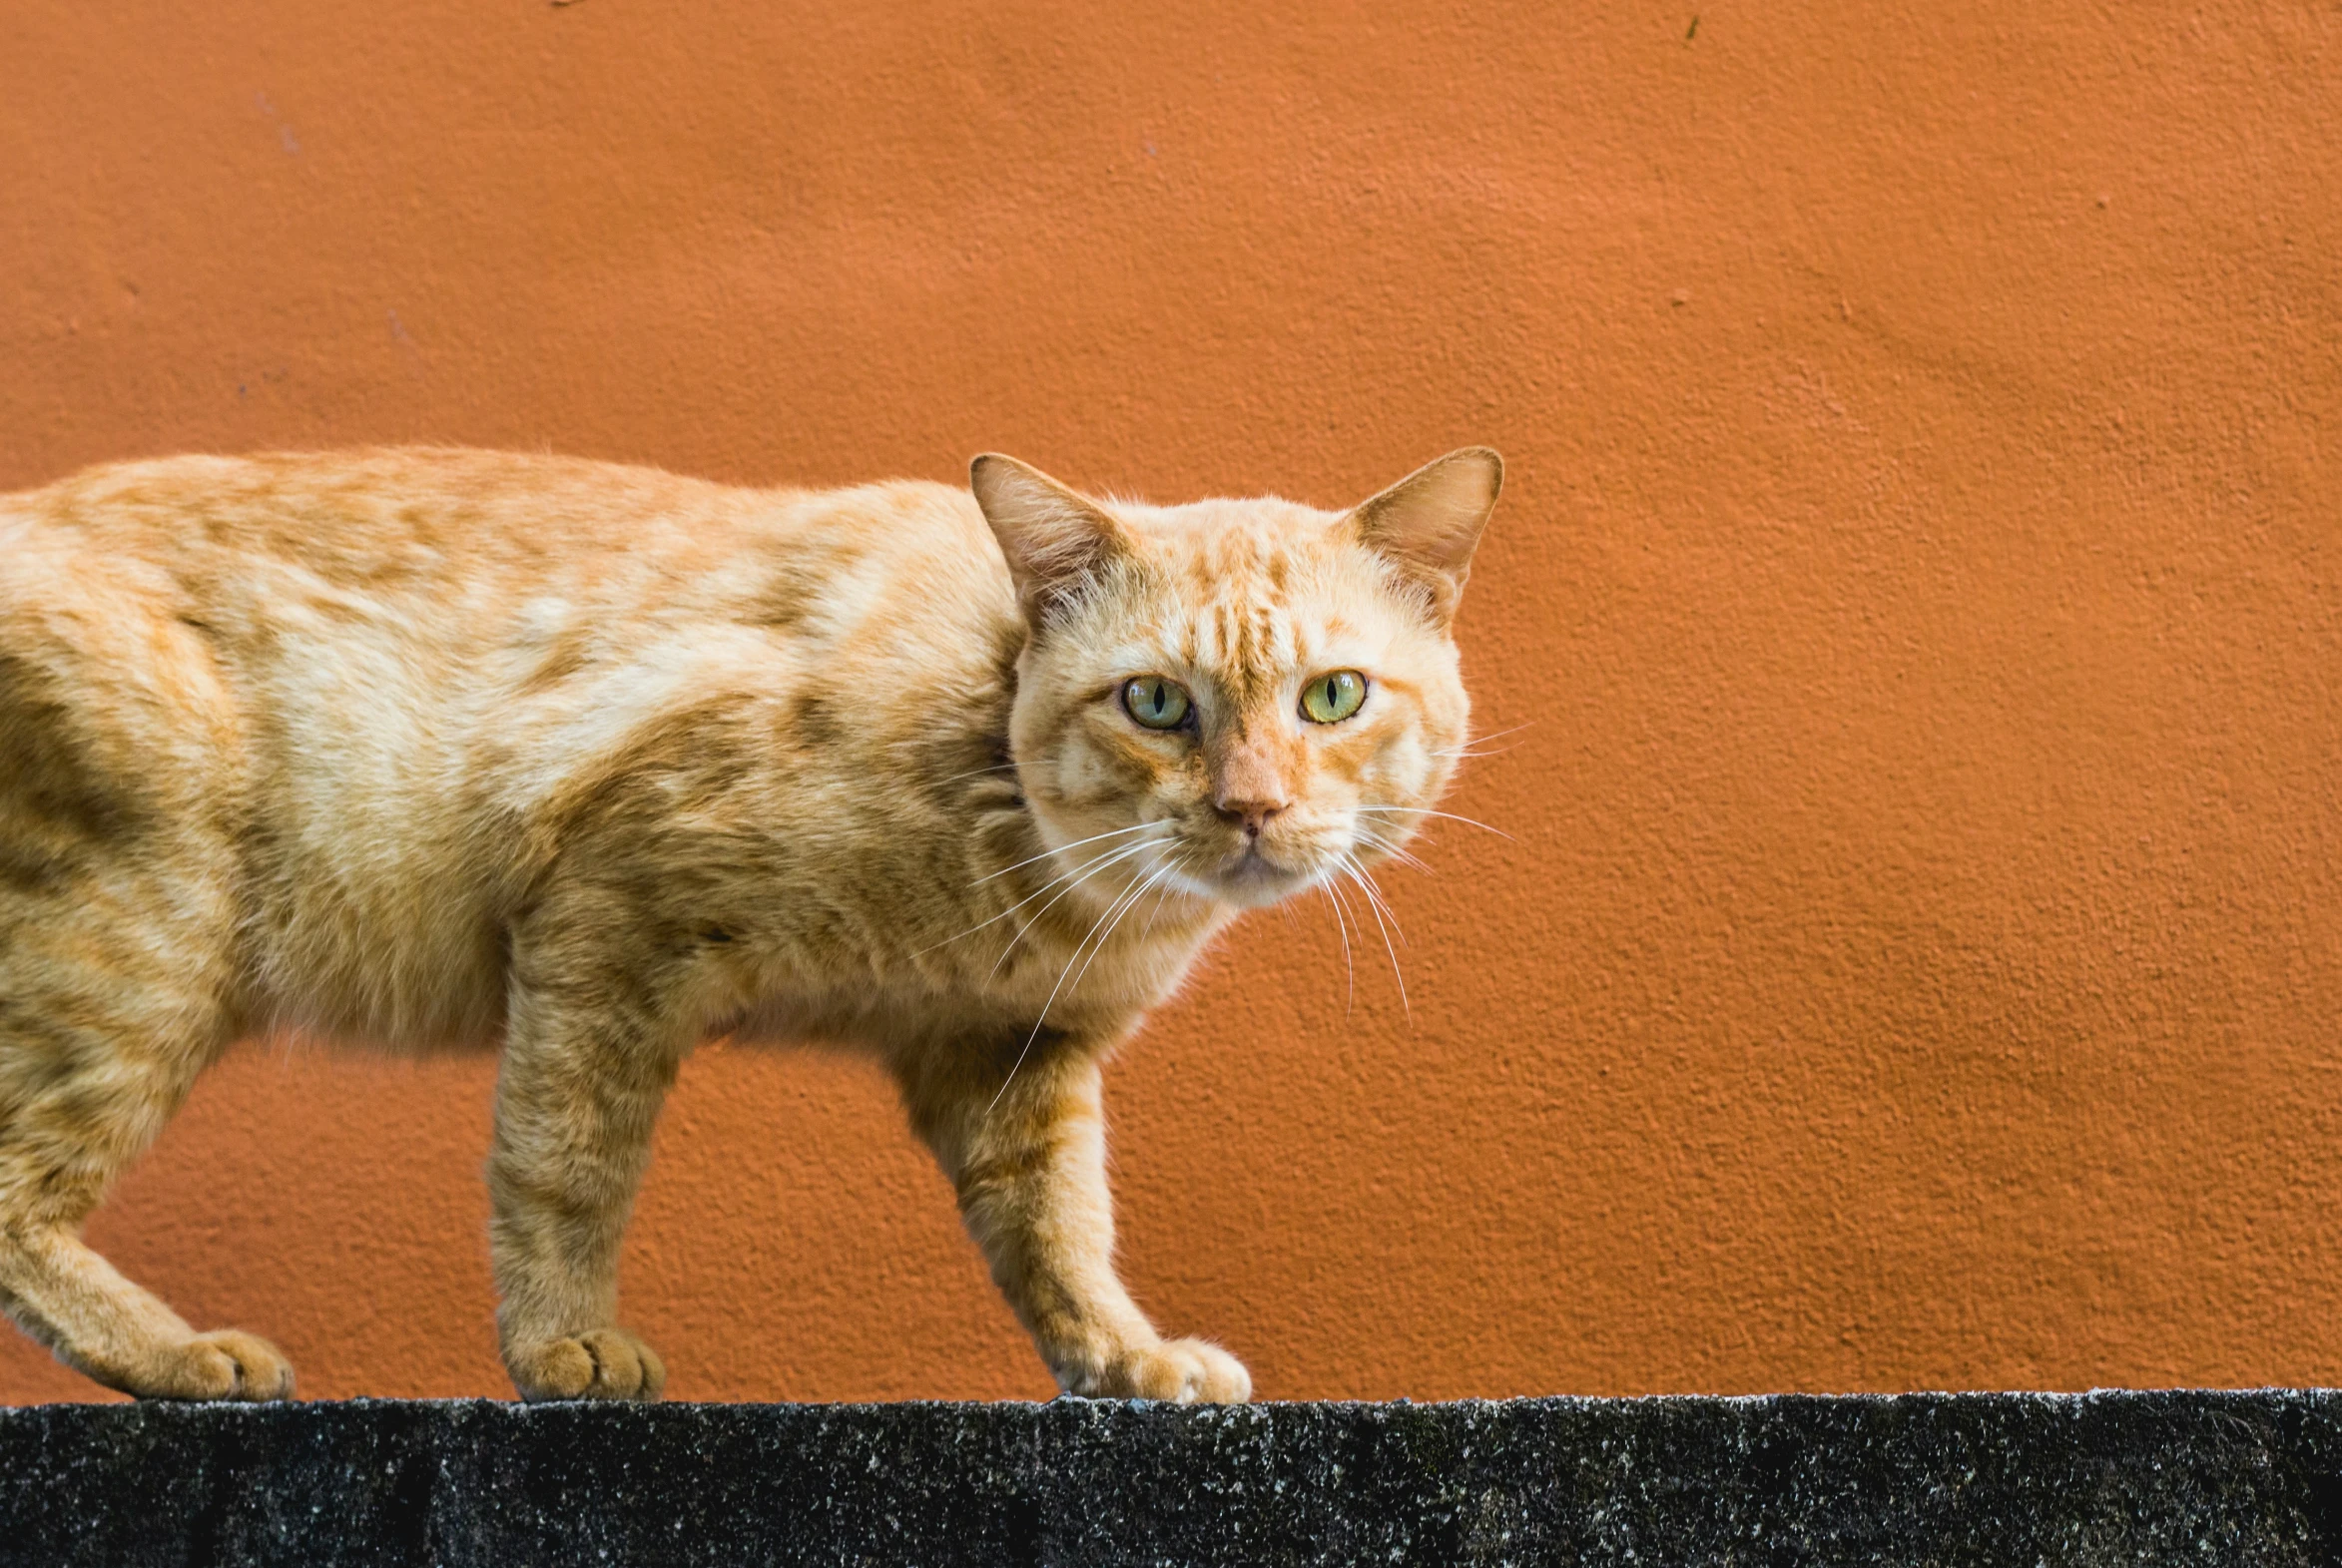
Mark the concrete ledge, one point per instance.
(2000, 1479)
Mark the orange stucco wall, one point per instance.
(1917, 956)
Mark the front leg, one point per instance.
(584, 1073)
(1030, 1168)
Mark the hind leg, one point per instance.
(112, 1000)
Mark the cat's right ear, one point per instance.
(1054, 538)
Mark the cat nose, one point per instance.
(1252, 814)
(1248, 785)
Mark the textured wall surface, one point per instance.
(1915, 613)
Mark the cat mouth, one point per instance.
(1250, 876)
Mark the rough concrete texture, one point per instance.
(2237, 1480)
(1916, 959)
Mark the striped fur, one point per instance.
(448, 751)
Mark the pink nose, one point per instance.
(1253, 815)
(1248, 786)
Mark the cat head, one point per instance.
(1238, 700)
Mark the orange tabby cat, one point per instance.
(447, 748)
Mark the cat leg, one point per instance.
(582, 1081)
(110, 1005)
(1029, 1167)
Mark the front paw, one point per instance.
(225, 1363)
(601, 1363)
(1184, 1372)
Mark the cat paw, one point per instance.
(1183, 1371)
(225, 1365)
(601, 1363)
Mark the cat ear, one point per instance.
(1055, 539)
(1429, 523)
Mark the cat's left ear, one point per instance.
(1429, 523)
(1054, 538)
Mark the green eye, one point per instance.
(1156, 703)
(1330, 699)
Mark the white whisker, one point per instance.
(1128, 902)
(1471, 747)
(1388, 846)
(1177, 865)
(1374, 891)
(1373, 902)
(1449, 816)
(1061, 848)
(996, 768)
(1114, 912)
(1348, 965)
(1110, 858)
(1101, 859)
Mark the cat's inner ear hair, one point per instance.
(1055, 539)
(1429, 523)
